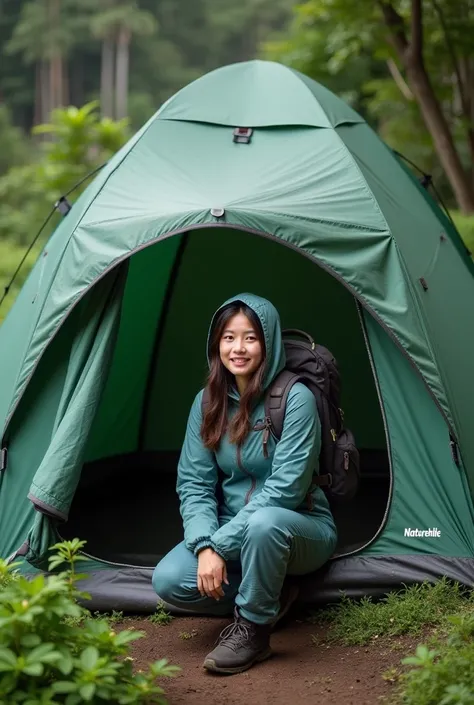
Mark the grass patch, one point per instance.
(408, 611)
(160, 616)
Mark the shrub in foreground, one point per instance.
(442, 674)
(52, 652)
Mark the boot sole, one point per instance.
(211, 665)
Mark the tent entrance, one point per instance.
(126, 506)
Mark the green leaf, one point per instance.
(127, 636)
(65, 663)
(89, 658)
(7, 656)
(30, 640)
(64, 687)
(87, 691)
(33, 669)
(44, 652)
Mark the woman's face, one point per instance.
(239, 347)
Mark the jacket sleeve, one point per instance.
(196, 485)
(294, 462)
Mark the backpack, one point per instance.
(314, 366)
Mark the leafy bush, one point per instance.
(444, 673)
(405, 612)
(52, 652)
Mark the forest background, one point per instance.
(78, 77)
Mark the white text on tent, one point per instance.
(434, 533)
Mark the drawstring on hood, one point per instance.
(270, 322)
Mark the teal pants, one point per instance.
(277, 542)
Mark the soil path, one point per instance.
(299, 672)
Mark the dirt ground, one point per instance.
(299, 672)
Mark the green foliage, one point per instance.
(160, 616)
(442, 674)
(406, 612)
(465, 225)
(13, 144)
(80, 140)
(52, 652)
(348, 46)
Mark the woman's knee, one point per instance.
(172, 579)
(167, 582)
(263, 523)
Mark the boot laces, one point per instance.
(235, 635)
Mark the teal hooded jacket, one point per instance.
(249, 480)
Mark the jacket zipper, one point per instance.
(241, 467)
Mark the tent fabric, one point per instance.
(306, 102)
(359, 247)
(317, 214)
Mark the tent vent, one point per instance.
(63, 205)
(454, 451)
(423, 283)
(243, 135)
(3, 459)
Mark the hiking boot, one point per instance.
(289, 594)
(240, 645)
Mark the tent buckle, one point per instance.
(243, 135)
(3, 459)
(63, 205)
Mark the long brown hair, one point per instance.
(220, 380)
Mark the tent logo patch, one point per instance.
(423, 533)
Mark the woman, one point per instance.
(248, 519)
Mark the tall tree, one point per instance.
(429, 55)
(44, 35)
(115, 24)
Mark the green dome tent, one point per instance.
(104, 349)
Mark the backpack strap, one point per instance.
(275, 401)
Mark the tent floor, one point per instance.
(127, 510)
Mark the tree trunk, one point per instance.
(65, 83)
(56, 62)
(442, 137)
(38, 109)
(121, 75)
(45, 91)
(411, 55)
(107, 71)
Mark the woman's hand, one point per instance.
(212, 572)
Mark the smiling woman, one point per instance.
(237, 350)
(242, 346)
(244, 533)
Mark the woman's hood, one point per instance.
(270, 320)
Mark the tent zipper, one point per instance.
(387, 438)
(245, 472)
